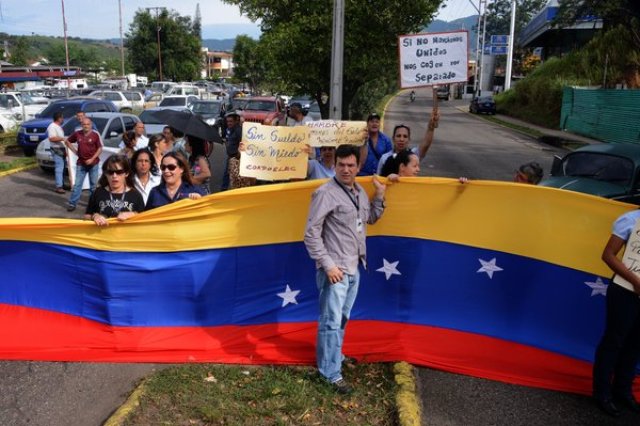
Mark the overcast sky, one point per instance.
(99, 18)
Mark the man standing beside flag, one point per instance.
(335, 238)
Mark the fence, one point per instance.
(607, 115)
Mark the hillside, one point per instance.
(467, 23)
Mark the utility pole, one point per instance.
(66, 46)
(484, 34)
(158, 9)
(512, 39)
(121, 39)
(337, 57)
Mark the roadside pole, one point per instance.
(337, 48)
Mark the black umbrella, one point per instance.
(189, 124)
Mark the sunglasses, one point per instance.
(171, 167)
(115, 172)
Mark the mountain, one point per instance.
(468, 23)
(218, 45)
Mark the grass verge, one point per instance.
(271, 395)
(18, 162)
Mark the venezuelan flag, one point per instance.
(491, 279)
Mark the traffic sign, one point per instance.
(499, 40)
(499, 50)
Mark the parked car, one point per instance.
(110, 125)
(153, 100)
(33, 131)
(443, 92)
(178, 101)
(118, 99)
(8, 120)
(182, 89)
(482, 104)
(212, 112)
(267, 110)
(162, 86)
(239, 103)
(610, 170)
(136, 99)
(152, 124)
(314, 112)
(21, 104)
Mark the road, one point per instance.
(468, 145)
(52, 394)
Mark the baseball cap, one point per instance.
(373, 116)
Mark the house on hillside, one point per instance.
(217, 63)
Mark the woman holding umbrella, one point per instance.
(177, 183)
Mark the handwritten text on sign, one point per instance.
(437, 58)
(274, 152)
(334, 133)
(631, 257)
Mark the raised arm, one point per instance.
(428, 136)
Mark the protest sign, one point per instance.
(630, 258)
(274, 152)
(334, 133)
(435, 58)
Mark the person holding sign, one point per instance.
(618, 353)
(335, 238)
(402, 135)
(376, 146)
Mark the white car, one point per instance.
(110, 125)
(118, 98)
(136, 99)
(8, 120)
(21, 104)
(178, 101)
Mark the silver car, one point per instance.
(110, 125)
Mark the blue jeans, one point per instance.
(59, 168)
(336, 301)
(81, 172)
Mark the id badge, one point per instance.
(359, 226)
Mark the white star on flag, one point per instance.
(489, 267)
(389, 268)
(597, 287)
(289, 296)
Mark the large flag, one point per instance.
(492, 279)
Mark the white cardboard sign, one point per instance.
(433, 58)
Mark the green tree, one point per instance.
(20, 51)
(612, 12)
(296, 41)
(180, 48)
(499, 16)
(249, 63)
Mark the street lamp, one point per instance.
(158, 9)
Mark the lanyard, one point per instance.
(354, 198)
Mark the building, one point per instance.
(218, 64)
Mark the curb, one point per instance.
(17, 170)
(133, 401)
(406, 398)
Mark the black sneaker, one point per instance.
(342, 387)
(71, 208)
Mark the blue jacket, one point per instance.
(159, 196)
(371, 165)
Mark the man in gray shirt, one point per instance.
(335, 238)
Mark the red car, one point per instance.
(268, 110)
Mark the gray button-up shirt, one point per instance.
(332, 236)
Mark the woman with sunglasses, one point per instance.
(115, 195)
(176, 184)
(146, 172)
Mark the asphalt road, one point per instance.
(468, 145)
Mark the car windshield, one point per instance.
(485, 99)
(206, 107)
(148, 117)
(68, 110)
(239, 103)
(254, 105)
(604, 167)
(25, 98)
(173, 102)
(73, 124)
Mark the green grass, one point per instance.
(18, 162)
(273, 395)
